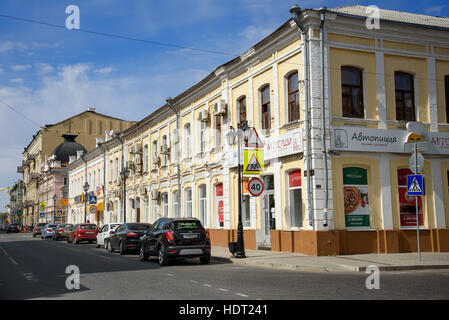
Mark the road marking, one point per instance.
(224, 290)
(207, 285)
(13, 261)
(242, 295)
(170, 275)
(194, 281)
(4, 251)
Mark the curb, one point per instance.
(405, 268)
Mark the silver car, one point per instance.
(48, 230)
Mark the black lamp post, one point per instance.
(241, 133)
(54, 207)
(85, 188)
(124, 174)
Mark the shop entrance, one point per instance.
(268, 211)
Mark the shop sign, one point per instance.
(380, 140)
(284, 144)
(356, 199)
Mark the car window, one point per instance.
(88, 226)
(186, 225)
(120, 229)
(114, 226)
(138, 227)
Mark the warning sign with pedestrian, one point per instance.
(415, 185)
(253, 161)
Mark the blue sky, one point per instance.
(49, 74)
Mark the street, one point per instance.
(33, 268)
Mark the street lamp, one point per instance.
(54, 206)
(124, 174)
(85, 188)
(241, 133)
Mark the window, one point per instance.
(217, 131)
(202, 204)
(293, 97)
(154, 152)
(295, 199)
(164, 156)
(164, 198)
(352, 92)
(405, 96)
(187, 140)
(446, 88)
(265, 101)
(356, 200)
(219, 204)
(246, 212)
(117, 174)
(174, 148)
(202, 136)
(145, 158)
(176, 204)
(241, 107)
(407, 204)
(154, 211)
(188, 202)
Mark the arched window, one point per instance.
(241, 107)
(164, 201)
(293, 97)
(176, 204)
(405, 96)
(352, 92)
(188, 202)
(187, 140)
(202, 204)
(265, 107)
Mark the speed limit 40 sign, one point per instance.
(255, 187)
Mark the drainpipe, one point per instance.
(295, 11)
(104, 178)
(323, 121)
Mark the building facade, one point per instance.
(330, 105)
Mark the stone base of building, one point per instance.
(341, 242)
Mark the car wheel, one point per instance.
(68, 240)
(162, 257)
(76, 240)
(34, 236)
(122, 248)
(205, 259)
(110, 248)
(142, 255)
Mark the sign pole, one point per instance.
(416, 203)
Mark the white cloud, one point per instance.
(16, 80)
(21, 67)
(44, 68)
(6, 46)
(105, 70)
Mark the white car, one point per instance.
(104, 233)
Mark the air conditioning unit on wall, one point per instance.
(203, 116)
(165, 149)
(155, 194)
(220, 108)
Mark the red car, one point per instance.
(83, 232)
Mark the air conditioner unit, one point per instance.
(165, 149)
(203, 115)
(155, 194)
(220, 108)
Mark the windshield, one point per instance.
(88, 227)
(138, 226)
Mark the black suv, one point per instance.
(171, 238)
(126, 237)
(13, 227)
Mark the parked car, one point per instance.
(171, 238)
(127, 237)
(3, 227)
(12, 227)
(48, 230)
(83, 232)
(105, 232)
(38, 229)
(62, 231)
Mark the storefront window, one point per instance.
(356, 199)
(407, 204)
(295, 199)
(219, 203)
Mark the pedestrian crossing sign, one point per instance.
(415, 185)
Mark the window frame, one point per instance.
(265, 124)
(293, 118)
(403, 92)
(344, 108)
(241, 102)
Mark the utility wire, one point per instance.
(117, 36)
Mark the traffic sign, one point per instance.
(42, 206)
(415, 185)
(64, 201)
(253, 161)
(254, 140)
(93, 209)
(255, 187)
(42, 215)
(416, 162)
(59, 213)
(92, 199)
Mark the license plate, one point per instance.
(89, 232)
(190, 235)
(190, 251)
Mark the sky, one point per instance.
(50, 73)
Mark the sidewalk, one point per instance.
(345, 263)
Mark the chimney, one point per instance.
(91, 109)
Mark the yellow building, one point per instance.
(333, 124)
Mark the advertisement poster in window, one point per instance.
(407, 204)
(356, 198)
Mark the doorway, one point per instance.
(267, 217)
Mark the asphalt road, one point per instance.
(32, 268)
